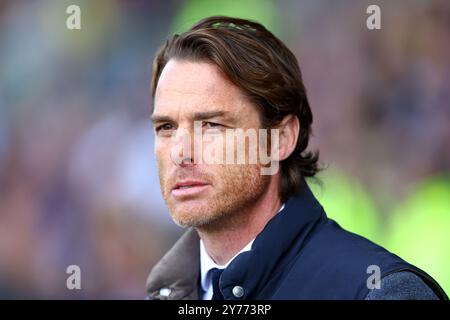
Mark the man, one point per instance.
(255, 229)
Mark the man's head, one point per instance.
(228, 73)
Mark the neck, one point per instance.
(224, 240)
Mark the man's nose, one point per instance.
(182, 151)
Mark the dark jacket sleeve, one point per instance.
(403, 285)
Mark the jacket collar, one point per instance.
(176, 275)
(279, 242)
(274, 248)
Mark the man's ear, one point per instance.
(288, 136)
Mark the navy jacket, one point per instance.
(300, 254)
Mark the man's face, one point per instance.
(200, 194)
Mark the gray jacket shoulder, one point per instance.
(403, 285)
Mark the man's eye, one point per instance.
(210, 125)
(165, 127)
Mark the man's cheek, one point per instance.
(160, 155)
(162, 165)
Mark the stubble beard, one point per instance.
(234, 189)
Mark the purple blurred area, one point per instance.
(78, 179)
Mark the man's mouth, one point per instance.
(188, 188)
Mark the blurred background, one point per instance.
(78, 180)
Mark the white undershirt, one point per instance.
(207, 263)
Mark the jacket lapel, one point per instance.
(175, 276)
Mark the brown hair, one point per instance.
(264, 69)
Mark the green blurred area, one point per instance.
(263, 11)
(419, 228)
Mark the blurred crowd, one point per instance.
(78, 179)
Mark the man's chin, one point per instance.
(193, 221)
(195, 216)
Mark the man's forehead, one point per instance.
(192, 104)
(193, 78)
(195, 87)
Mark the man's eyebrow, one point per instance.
(161, 118)
(197, 116)
(209, 114)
